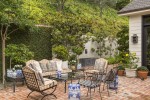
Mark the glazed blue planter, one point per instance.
(74, 92)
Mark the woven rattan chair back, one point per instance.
(31, 79)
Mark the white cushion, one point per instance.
(65, 65)
(59, 64)
(37, 66)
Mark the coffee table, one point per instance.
(68, 77)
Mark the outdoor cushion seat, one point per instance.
(48, 83)
(66, 71)
(46, 73)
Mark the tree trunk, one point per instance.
(3, 57)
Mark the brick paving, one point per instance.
(129, 89)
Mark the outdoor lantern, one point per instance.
(135, 38)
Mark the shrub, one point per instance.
(60, 52)
(111, 60)
(19, 54)
(142, 68)
(121, 68)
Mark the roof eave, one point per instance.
(134, 12)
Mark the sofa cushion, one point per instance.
(65, 65)
(46, 73)
(59, 65)
(33, 67)
(41, 79)
(44, 67)
(66, 71)
(37, 66)
(51, 66)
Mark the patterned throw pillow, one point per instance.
(51, 66)
(44, 67)
(37, 66)
(65, 65)
(33, 67)
(59, 64)
(41, 79)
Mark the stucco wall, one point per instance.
(135, 27)
(94, 45)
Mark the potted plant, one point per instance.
(131, 64)
(142, 72)
(121, 70)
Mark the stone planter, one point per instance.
(120, 72)
(131, 72)
(142, 74)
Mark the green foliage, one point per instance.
(70, 27)
(121, 3)
(142, 68)
(77, 50)
(18, 53)
(121, 68)
(123, 39)
(92, 49)
(111, 60)
(60, 52)
(130, 60)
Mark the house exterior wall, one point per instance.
(135, 27)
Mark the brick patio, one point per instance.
(129, 89)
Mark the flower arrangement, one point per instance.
(73, 62)
(130, 60)
(17, 67)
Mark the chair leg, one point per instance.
(100, 93)
(116, 91)
(87, 91)
(103, 86)
(43, 93)
(29, 93)
(90, 93)
(108, 89)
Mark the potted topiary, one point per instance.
(121, 70)
(142, 72)
(130, 64)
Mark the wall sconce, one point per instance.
(135, 38)
(86, 51)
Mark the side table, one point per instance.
(14, 80)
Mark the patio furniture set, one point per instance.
(42, 75)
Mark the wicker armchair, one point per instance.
(100, 66)
(35, 82)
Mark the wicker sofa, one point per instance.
(49, 67)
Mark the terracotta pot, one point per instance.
(120, 72)
(142, 74)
